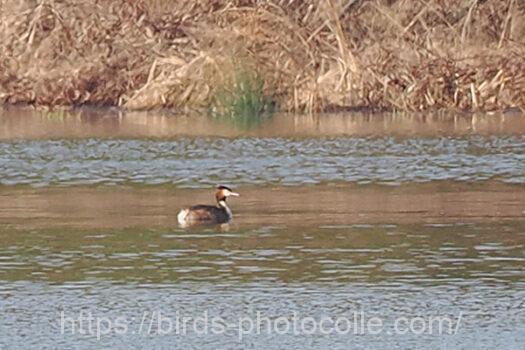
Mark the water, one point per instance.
(194, 162)
(472, 273)
(341, 218)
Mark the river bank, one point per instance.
(309, 56)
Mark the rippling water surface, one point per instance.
(344, 218)
(205, 161)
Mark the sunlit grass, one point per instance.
(244, 102)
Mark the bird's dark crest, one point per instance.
(221, 187)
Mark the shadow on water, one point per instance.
(243, 122)
(30, 124)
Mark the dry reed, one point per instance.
(315, 55)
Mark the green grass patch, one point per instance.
(243, 102)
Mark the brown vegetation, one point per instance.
(313, 55)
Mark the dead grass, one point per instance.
(315, 55)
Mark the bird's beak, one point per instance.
(234, 194)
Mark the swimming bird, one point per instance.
(209, 214)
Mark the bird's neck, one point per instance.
(222, 204)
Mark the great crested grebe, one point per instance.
(208, 214)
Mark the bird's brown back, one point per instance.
(207, 213)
